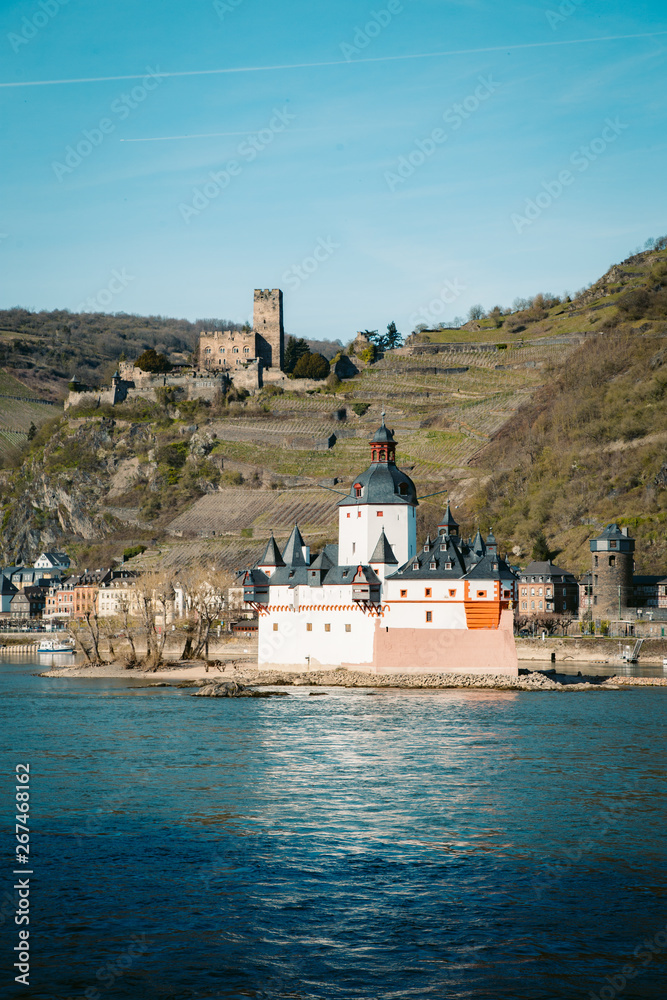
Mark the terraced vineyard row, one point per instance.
(230, 511)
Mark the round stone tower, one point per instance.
(613, 566)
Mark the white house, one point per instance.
(377, 602)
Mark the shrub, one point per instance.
(313, 366)
(134, 550)
(360, 408)
(369, 354)
(151, 361)
(232, 478)
(173, 455)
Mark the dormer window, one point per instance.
(403, 489)
(415, 566)
(358, 489)
(433, 564)
(449, 565)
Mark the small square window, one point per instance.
(348, 513)
(358, 513)
(348, 628)
(429, 616)
(404, 593)
(427, 592)
(309, 626)
(275, 626)
(379, 513)
(452, 593)
(481, 593)
(327, 627)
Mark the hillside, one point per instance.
(591, 446)
(549, 418)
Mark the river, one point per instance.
(356, 845)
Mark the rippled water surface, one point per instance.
(496, 846)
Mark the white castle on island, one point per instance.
(377, 603)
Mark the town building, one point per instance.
(545, 589)
(29, 602)
(118, 594)
(376, 600)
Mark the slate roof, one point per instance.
(449, 522)
(382, 483)
(546, 569)
(450, 558)
(383, 435)
(383, 552)
(272, 556)
(611, 531)
(293, 551)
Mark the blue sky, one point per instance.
(290, 176)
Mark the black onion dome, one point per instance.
(382, 483)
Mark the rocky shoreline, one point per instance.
(211, 675)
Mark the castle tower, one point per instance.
(613, 565)
(268, 326)
(381, 508)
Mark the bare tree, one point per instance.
(87, 633)
(205, 598)
(155, 597)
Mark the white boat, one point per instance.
(65, 645)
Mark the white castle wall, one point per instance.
(359, 529)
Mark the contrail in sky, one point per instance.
(337, 62)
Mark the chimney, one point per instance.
(624, 531)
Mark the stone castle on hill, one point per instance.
(264, 345)
(246, 358)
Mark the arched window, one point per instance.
(612, 560)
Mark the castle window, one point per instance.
(380, 513)
(433, 564)
(612, 560)
(275, 626)
(404, 593)
(427, 592)
(327, 627)
(348, 628)
(613, 545)
(222, 350)
(452, 593)
(235, 350)
(207, 351)
(448, 565)
(481, 593)
(415, 566)
(309, 626)
(596, 560)
(358, 513)
(429, 616)
(357, 491)
(246, 350)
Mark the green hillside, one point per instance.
(591, 446)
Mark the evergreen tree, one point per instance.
(541, 551)
(294, 349)
(392, 337)
(313, 366)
